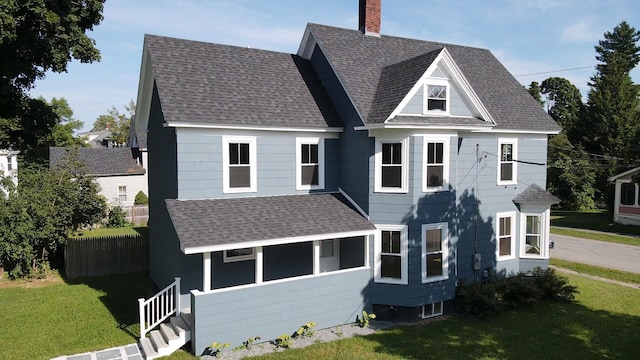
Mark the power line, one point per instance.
(555, 71)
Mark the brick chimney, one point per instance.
(369, 17)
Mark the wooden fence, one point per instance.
(137, 214)
(106, 255)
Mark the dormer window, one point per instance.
(436, 98)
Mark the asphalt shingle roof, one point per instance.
(219, 84)
(117, 161)
(534, 193)
(363, 64)
(213, 222)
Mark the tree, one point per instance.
(564, 105)
(118, 123)
(613, 103)
(35, 37)
(534, 90)
(62, 134)
(38, 215)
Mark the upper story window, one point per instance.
(391, 165)
(391, 254)
(239, 164)
(435, 164)
(505, 235)
(628, 194)
(507, 165)
(435, 244)
(436, 98)
(310, 163)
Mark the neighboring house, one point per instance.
(626, 208)
(364, 172)
(99, 139)
(9, 165)
(120, 175)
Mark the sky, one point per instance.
(534, 39)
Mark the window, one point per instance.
(431, 310)
(505, 235)
(628, 194)
(507, 165)
(239, 168)
(9, 163)
(436, 98)
(391, 254)
(436, 164)
(310, 163)
(434, 252)
(391, 170)
(238, 255)
(122, 193)
(534, 233)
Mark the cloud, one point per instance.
(584, 30)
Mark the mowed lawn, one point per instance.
(41, 320)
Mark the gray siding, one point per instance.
(200, 163)
(458, 106)
(278, 308)
(415, 105)
(355, 146)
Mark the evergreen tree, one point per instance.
(564, 104)
(534, 90)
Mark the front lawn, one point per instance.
(597, 220)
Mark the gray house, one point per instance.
(364, 172)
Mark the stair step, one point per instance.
(186, 317)
(158, 341)
(179, 325)
(168, 332)
(147, 348)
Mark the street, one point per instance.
(598, 253)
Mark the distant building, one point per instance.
(9, 164)
(99, 139)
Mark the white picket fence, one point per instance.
(160, 307)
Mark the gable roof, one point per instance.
(360, 62)
(623, 174)
(534, 193)
(218, 224)
(117, 161)
(212, 84)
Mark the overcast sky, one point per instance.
(541, 37)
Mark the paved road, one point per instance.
(597, 253)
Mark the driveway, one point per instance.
(598, 253)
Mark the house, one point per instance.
(364, 172)
(120, 174)
(9, 165)
(626, 208)
(99, 139)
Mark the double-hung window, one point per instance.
(505, 235)
(239, 164)
(436, 98)
(391, 166)
(436, 164)
(628, 194)
(391, 254)
(507, 165)
(122, 193)
(435, 246)
(310, 163)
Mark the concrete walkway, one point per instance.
(127, 352)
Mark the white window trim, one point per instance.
(544, 235)
(433, 313)
(404, 250)
(425, 93)
(310, 141)
(445, 251)
(120, 194)
(514, 142)
(445, 159)
(228, 259)
(512, 215)
(635, 201)
(251, 140)
(405, 168)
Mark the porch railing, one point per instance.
(160, 307)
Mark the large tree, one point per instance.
(564, 104)
(613, 103)
(118, 123)
(37, 36)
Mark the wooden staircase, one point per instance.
(168, 337)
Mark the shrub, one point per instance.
(116, 217)
(305, 330)
(480, 299)
(283, 341)
(141, 199)
(364, 320)
(554, 286)
(520, 290)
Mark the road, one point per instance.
(598, 253)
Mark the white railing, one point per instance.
(159, 307)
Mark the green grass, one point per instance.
(602, 323)
(597, 271)
(45, 319)
(105, 231)
(621, 239)
(599, 221)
